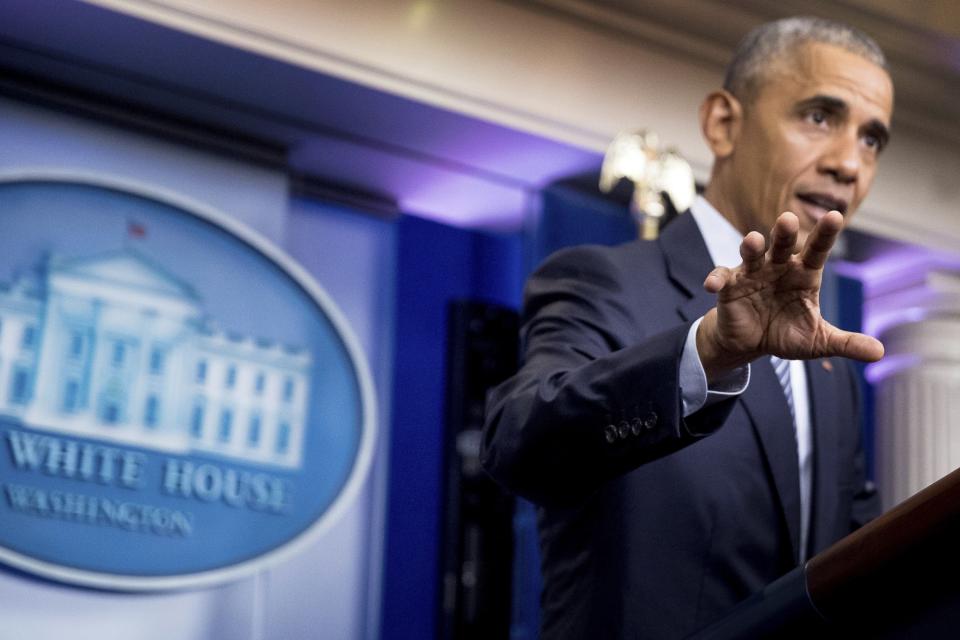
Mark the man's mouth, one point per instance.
(821, 203)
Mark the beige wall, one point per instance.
(535, 70)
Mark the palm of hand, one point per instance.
(770, 304)
(775, 311)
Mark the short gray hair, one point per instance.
(767, 44)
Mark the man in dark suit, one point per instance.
(678, 468)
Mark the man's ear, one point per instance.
(720, 117)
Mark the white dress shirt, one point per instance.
(723, 244)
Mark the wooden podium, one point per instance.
(897, 577)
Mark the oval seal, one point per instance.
(181, 404)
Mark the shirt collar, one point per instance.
(721, 237)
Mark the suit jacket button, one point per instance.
(635, 425)
(651, 421)
(624, 429)
(610, 433)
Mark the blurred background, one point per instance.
(418, 158)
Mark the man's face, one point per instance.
(810, 138)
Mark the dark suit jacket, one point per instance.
(653, 526)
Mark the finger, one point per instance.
(821, 240)
(717, 279)
(857, 346)
(752, 251)
(784, 238)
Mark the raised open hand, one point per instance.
(770, 304)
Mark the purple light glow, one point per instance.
(895, 286)
(879, 371)
(447, 191)
(896, 269)
(877, 321)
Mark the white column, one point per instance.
(918, 386)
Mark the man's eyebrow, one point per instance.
(834, 104)
(823, 101)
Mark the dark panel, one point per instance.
(478, 540)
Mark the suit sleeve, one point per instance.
(597, 395)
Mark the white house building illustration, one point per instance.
(114, 347)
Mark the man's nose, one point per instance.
(843, 158)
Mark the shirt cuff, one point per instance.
(693, 381)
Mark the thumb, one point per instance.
(857, 346)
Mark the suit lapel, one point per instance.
(688, 263)
(773, 424)
(823, 394)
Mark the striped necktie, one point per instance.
(782, 369)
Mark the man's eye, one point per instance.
(817, 117)
(872, 142)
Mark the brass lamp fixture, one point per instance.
(638, 157)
